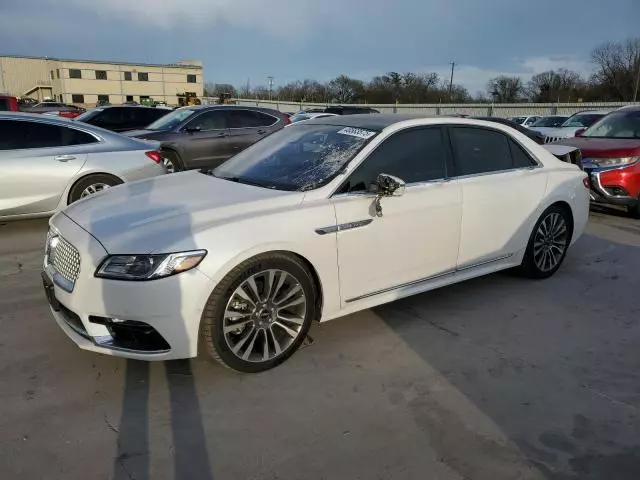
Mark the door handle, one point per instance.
(221, 135)
(261, 132)
(64, 158)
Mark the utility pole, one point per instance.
(453, 65)
(270, 86)
(635, 90)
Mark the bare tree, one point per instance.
(617, 66)
(344, 89)
(556, 85)
(503, 89)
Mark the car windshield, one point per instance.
(299, 158)
(172, 119)
(517, 119)
(298, 117)
(550, 122)
(616, 125)
(89, 114)
(582, 120)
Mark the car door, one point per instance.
(37, 161)
(205, 141)
(502, 186)
(246, 127)
(416, 237)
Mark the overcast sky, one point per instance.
(320, 39)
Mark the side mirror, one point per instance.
(195, 128)
(580, 131)
(387, 186)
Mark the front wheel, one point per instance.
(548, 243)
(260, 313)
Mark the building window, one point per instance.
(60, 98)
(143, 77)
(145, 99)
(191, 79)
(129, 98)
(127, 76)
(57, 73)
(75, 73)
(75, 98)
(103, 98)
(51, 74)
(101, 74)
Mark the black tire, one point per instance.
(174, 159)
(634, 210)
(211, 328)
(529, 267)
(96, 179)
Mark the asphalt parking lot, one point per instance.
(497, 378)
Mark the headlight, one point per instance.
(148, 267)
(614, 162)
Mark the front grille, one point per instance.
(64, 258)
(554, 139)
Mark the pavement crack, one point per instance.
(109, 425)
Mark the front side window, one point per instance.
(22, 134)
(175, 118)
(75, 73)
(414, 155)
(299, 158)
(616, 125)
(143, 77)
(479, 150)
(249, 119)
(215, 120)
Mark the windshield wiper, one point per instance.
(244, 181)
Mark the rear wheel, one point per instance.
(92, 184)
(548, 243)
(172, 161)
(260, 313)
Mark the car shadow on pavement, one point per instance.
(553, 364)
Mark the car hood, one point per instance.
(566, 132)
(163, 213)
(543, 130)
(604, 147)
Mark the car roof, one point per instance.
(229, 107)
(106, 107)
(630, 108)
(368, 121)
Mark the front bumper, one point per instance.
(618, 186)
(149, 320)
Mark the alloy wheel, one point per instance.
(168, 165)
(93, 188)
(550, 242)
(264, 315)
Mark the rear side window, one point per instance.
(4, 105)
(16, 135)
(213, 120)
(249, 119)
(415, 155)
(479, 150)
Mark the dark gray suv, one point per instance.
(206, 136)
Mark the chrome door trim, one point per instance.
(343, 226)
(427, 279)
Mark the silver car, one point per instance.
(48, 163)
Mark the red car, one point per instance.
(8, 103)
(611, 156)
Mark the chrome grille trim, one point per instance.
(62, 261)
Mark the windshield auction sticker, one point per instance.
(357, 132)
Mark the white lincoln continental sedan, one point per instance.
(314, 222)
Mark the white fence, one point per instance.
(480, 109)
